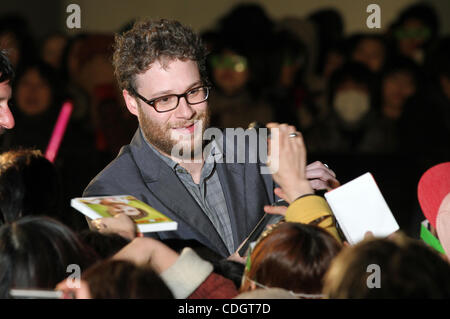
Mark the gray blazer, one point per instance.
(138, 171)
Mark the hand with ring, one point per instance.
(288, 162)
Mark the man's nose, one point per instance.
(6, 117)
(184, 109)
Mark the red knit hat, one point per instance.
(433, 186)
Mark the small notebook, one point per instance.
(359, 207)
(147, 218)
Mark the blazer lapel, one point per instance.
(168, 189)
(245, 191)
(231, 178)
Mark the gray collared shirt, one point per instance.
(207, 193)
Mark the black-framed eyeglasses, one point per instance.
(170, 102)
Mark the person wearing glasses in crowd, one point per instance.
(161, 69)
(6, 75)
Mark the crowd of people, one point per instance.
(364, 102)
(378, 102)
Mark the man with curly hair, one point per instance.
(160, 66)
(6, 75)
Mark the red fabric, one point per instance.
(433, 186)
(215, 287)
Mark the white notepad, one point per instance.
(359, 207)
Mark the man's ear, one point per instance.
(131, 102)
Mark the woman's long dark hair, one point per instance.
(35, 253)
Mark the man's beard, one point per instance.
(160, 136)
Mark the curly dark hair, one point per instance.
(6, 69)
(152, 40)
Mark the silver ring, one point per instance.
(293, 135)
(325, 165)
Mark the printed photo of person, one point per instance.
(117, 207)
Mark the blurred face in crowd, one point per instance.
(230, 71)
(397, 88)
(95, 72)
(371, 53)
(411, 36)
(52, 50)
(6, 118)
(8, 42)
(183, 126)
(351, 101)
(333, 61)
(33, 94)
(289, 70)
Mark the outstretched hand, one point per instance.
(120, 224)
(144, 250)
(321, 177)
(288, 164)
(287, 161)
(71, 291)
(277, 210)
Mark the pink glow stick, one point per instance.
(58, 131)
